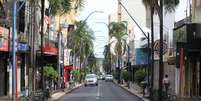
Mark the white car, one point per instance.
(108, 77)
(91, 79)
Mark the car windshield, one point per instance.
(90, 76)
(109, 75)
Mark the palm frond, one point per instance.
(169, 5)
(79, 4)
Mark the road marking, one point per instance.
(98, 92)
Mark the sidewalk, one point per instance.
(59, 94)
(5, 98)
(134, 89)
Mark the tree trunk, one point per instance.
(118, 70)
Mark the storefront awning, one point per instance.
(68, 67)
(50, 50)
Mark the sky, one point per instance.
(96, 20)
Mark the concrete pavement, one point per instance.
(105, 91)
(134, 89)
(56, 96)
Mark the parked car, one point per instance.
(108, 77)
(91, 79)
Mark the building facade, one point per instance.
(188, 58)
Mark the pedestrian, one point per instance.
(166, 84)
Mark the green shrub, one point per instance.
(50, 72)
(115, 74)
(140, 75)
(125, 75)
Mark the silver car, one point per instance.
(91, 79)
(108, 77)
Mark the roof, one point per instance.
(181, 23)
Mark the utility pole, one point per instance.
(59, 56)
(145, 34)
(129, 67)
(14, 35)
(152, 53)
(119, 11)
(161, 68)
(118, 58)
(148, 59)
(41, 33)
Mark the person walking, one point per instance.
(166, 84)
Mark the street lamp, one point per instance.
(14, 34)
(81, 26)
(146, 35)
(103, 23)
(85, 20)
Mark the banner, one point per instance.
(4, 39)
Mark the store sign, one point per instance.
(22, 47)
(4, 39)
(50, 50)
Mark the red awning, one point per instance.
(50, 50)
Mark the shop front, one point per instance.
(23, 62)
(4, 55)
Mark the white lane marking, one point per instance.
(98, 92)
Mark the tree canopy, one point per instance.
(64, 6)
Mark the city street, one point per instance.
(105, 91)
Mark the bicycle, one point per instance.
(168, 96)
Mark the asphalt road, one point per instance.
(105, 91)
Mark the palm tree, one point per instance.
(107, 59)
(64, 6)
(92, 63)
(118, 30)
(82, 41)
(154, 7)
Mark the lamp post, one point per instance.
(161, 68)
(147, 36)
(14, 87)
(108, 43)
(85, 20)
(41, 33)
(81, 26)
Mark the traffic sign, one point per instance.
(157, 46)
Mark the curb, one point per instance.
(74, 89)
(67, 92)
(130, 92)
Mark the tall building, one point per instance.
(138, 12)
